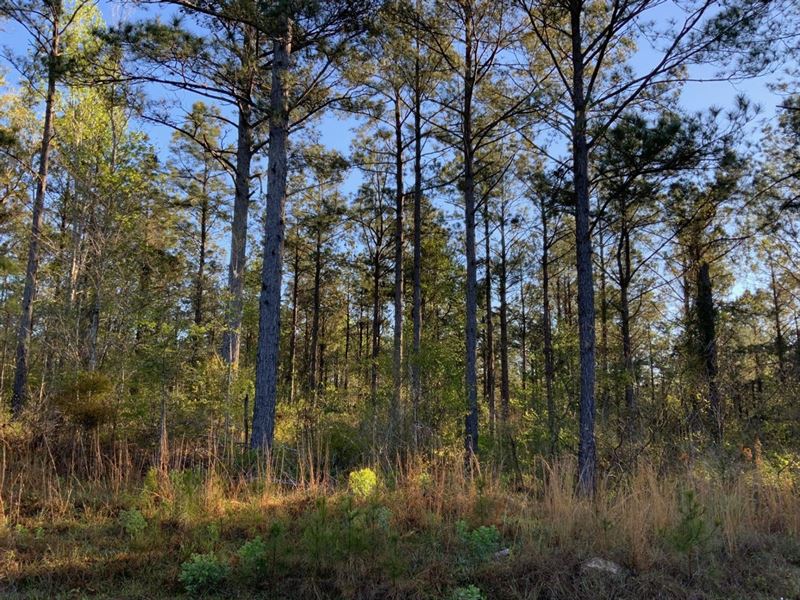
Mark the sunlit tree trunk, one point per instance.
(19, 394)
(397, 354)
(270, 300)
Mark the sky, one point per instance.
(336, 130)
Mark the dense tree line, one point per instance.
(530, 248)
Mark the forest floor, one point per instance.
(423, 530)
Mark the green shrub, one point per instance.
(86, 399)
(692, 530)
(319, 538)
(363, 483)
(467, 593)
(203, 572)
(479, 543)
(133, 522)
(253, 557)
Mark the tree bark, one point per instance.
(201, 263)
(547, 335)
(231, 340)
(505, 388)
(376, 325)
(19, 394)
(416, 309)
(270, 300)
(397, 355)
(706, 315)
(587, 458)
(471, 327)
(605, 400)
(290, 371)
(780, 344)
(523, 336)
(625, 275)
(488, 351)
(346, 369)
(313, 367)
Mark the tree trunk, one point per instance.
(523, 336)
(547, 336)
(315, 308)
(201, 264)
(397, 356)
(780, 345)
(416, 309)
(290, 371)
(231, 339)
(471, 326)
(94, 330)
(706, 314)
(488, 351)
(505, 390)
(376, 325)
(625, 275)
(269, 324)
(605, 400)
(587, 458)
(19, 395)
(346, 370)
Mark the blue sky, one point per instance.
(335, 130)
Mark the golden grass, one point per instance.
(628, 520)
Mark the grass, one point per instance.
(101, 524)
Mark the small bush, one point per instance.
(253, 557)
(467, 593)
(692, 530)
(363, 483)
(133, 522)
(203, 572)
(86, 399)
(479, 543)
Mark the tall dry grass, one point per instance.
(51, 480)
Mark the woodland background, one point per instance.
(462, 282)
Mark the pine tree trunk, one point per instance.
(471, 324)
(290, 371)
(201, 263)
(605, 401)
(523, 336)
(625, 275)
(231, 339)
(488, 350)
(269, 324)
(706, 315)
(583, 241)
(416, 309)
(780, 345)
(505, 388)
(547, 336)
(397, 355)
(19, 394)
(346, 369)
(315, 307)
(376, 325)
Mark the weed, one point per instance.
(470, 592)
(203, 573)
(363, 483)
(133, 522)
(253, 557)
(479, 544)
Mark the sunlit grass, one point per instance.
(106, 525)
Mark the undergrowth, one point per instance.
(427, 529)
